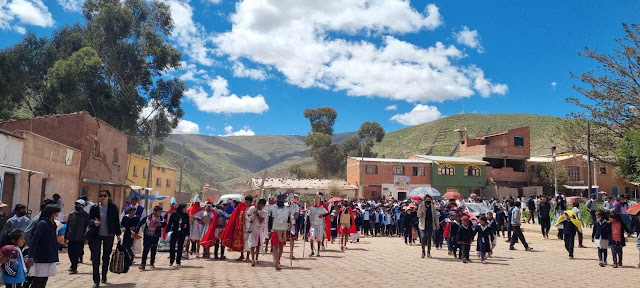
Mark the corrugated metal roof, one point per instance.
(452, 160)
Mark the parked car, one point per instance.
(572, 199)
(226, 197)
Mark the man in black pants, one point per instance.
(516, 215)
(366, 216)
(104, 217)
(544, 208)
(76, 227)
(531, 205)
(152, 232)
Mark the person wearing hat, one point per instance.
(196, 213)
(88, 204)
(19, 220)
(74, 235)
(44, 247)
(221, 221)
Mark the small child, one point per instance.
(600, 235)
(617, 239)
(500, 220)
(152, 231)
(453, 235)
(494, 231)
(128, 224)
(446, 233)
(334, 226)
(569, 230)
(465, 237)
(485, 237)
(14, 267)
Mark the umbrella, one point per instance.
(454, 195)
(335, 199)
(413, 206)
(602, 193)
(473, 195)
(634, 210)
(419, 192)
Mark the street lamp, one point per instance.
(555, 173)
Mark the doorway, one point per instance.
(7, 196)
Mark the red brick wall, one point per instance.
(499, 146)
(506, 174)
(385, 172)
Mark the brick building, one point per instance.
(11, 146)
(506, 153)
(103, 162)
(383, 177)
(163, 178)
(603, 175)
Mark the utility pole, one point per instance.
(152, 143)
(589, 158)
(555, 170)
(362, 168)
(181, 165)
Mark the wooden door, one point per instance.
(7, 196)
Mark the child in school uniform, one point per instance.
(500, 221)
(569, 228)
(485, 237)
(600, 235)
(454, 225)
(494, 231)
(14, 267)
(465, 237)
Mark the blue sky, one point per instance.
(254, 66)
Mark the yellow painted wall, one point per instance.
(165, 176)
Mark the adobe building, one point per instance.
(11, 146)
(386, 177)
(103, 161)
(603, 175)
(456, 174)
(210, 192)
(506, 153)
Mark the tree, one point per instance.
(326, 154)
(322, 119)
(296, 171)
(546, 177)
(608, 94)
(627, 156)
(370, 133)
(112, 67)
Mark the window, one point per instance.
(398, 170)
(168, 183)
(95, 150)
(372, 169)
(446, 170)
(418, 171)
(603, 170)
(518, 141)
(135, 171)
(115, 156)
(158, 182)
(472, 171)
(574, 173)
(144, 172)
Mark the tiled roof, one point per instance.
(283, 183)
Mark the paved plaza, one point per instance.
(382, 262)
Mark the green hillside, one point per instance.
(439, 138)
(228, 163)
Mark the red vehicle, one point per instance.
(572, 199)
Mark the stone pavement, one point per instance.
(383, 262)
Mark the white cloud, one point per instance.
(469, 38)
(309, 42)
(214, 1)
(239, 70)
(222, 101)
(391, 108)
(71, 5)
(210, 128)
(554, 84)
(26, 12)
(186, 127)
(188, 35)
(418, 115)
(242, 132)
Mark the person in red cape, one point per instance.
(317, 231)
(211, 237)
(233, 235)
(353, 231)
(174, 207)
(327, 220)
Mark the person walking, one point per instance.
(179, 229)
(578, 215)
(427, 223)
(592, 207)
(570, 227)
(152, 232)
(517, 231)
(19, 220)
(105, 225)
(558, 211)
(544, 208)
(600, 235)
(44, 247)
(531, 205)
(74, 234)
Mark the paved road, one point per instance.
(383, 262)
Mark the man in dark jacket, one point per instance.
(76, 227)
(104, 218)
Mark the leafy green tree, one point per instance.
(112, 67)
(627, 156)
(546, 177)
(607, 92)
(322, 119)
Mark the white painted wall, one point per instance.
(11, 154)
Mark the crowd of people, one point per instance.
(30, 246)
